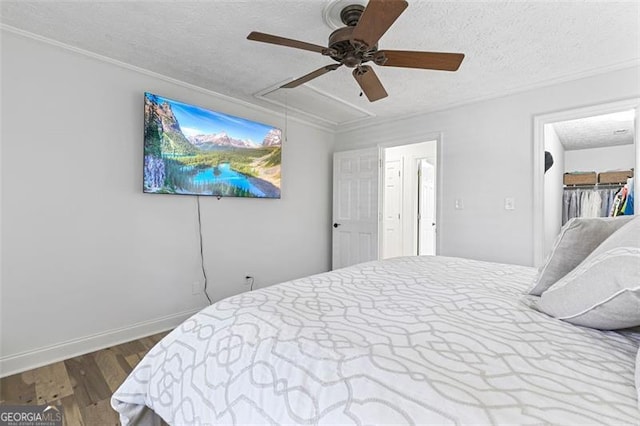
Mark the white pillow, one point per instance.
(604, 290)
(577, 239)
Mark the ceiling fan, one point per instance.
(357, 43)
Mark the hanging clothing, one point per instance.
(590, 202)
(628, 207)
(573, 205)
(607, 203)
(619, 202)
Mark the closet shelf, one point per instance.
(581, 178)
(615, 177)
(593, 178)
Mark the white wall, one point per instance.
(487, 156)
(553, 187)
(87, 258)
(620, 157)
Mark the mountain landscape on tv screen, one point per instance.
(190, 150)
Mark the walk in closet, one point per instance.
(592, 175)
(592, 194)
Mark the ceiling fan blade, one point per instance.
(311, 76)
(424, 60)
(281, 41)
(369, 83)
(376, 19)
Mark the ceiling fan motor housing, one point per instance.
(345, 51)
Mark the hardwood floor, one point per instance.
(82, 385)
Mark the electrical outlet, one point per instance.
(459, 204)
(247, 280)
(197, 287)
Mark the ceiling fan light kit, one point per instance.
(356, 43)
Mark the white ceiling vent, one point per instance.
(314, 103)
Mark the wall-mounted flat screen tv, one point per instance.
(193, 151)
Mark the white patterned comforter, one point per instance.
(413, 340)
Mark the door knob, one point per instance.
(335, 225)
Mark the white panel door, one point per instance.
(392, 210)
(355, 206)
(426, 208)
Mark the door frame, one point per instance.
(539, 121)
(427, 137)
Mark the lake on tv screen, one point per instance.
(191, 150)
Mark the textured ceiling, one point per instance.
(509, 46)
(596, 132)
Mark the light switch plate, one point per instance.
(509, 203)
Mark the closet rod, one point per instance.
(596, 186)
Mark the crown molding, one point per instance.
(367, 122)
(317, 122)
(257, 108)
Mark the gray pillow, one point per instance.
(638, 376)
(604, 290)
(577, 239)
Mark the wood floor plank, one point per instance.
(126, 367)
(71, 414)
(148, 342)
(82, 385)
(111, 370)
(159, 336)
(14, 390)
(88, 384)
(100, 413)
(29, 377)
(129, 348)
(52, 382)
(133, 360)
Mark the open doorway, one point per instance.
(409, 198)
(588, 143)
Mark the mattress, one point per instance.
(412, 340)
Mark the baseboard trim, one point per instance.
(28, 360)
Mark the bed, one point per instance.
(411, 340)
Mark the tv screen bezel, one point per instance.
(224, 115)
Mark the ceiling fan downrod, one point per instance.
(350, 15)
